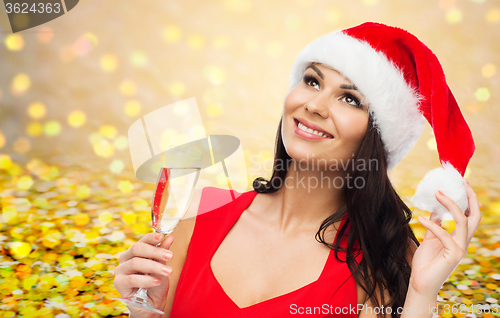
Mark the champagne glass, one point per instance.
(173, 193)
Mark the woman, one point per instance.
(357, 103)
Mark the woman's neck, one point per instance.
(303, 201)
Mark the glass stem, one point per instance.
(142, 293)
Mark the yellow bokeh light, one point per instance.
(141, 205)
(22, 145)
(19, 250)
(431, 144)
(95, 137)
(196, 41)
(128, 88)
(454, 15)
(5, 162)
(34, 129)
(482, 94)
(109, 63)
(129, 217)
(37, 110)
(108, 131)
(14, 42)
(221, 42)
(20, 84)
(104, 149)
(488, 70)
(24, 183)
(125, 186)
(2, 140)
(139, 58)
(77, 118)
(81, 219)
(116, 166)
(238, 5)
(172, 33)
(214, 74)
(214, 109)
(293, 22)
(51, 240)
(177, 88)
(132, 108)
(121, 143)
(333, 15)
(105, 217)
(52, 128)
(45, 34)
(92, 38)
(493, 15)
(83, 191)
(274, 49)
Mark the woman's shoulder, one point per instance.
(204, 200)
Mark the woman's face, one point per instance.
(325, 101)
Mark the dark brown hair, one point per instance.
(379, 221)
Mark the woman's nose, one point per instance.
(318, 105)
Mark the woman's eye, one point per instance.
(310, 79)
(351, 100)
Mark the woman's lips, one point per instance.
(305, 134)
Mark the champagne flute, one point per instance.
(173, 193)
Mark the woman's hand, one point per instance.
(145, 257)
(440, 253)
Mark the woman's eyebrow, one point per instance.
(345, 86)
(317, 71)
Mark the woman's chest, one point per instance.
(253, 266)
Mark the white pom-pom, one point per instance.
(447, 180)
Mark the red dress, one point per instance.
(199, 294)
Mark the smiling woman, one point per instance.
(322, 238)
(339, 114)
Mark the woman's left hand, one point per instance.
(440, 253)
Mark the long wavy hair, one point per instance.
(378, 217)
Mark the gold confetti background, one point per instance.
(69, 90)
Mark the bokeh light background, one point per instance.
(69, 90)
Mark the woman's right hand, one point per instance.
(145, 257)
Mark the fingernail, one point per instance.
(158, 236)
(440, 193)
(166, 270)
(167, 255)
(420, 218)
(157, 280)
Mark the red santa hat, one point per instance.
(403, 83)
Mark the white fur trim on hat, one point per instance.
(447, 180)
(391, 101)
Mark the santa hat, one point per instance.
(403, 83)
